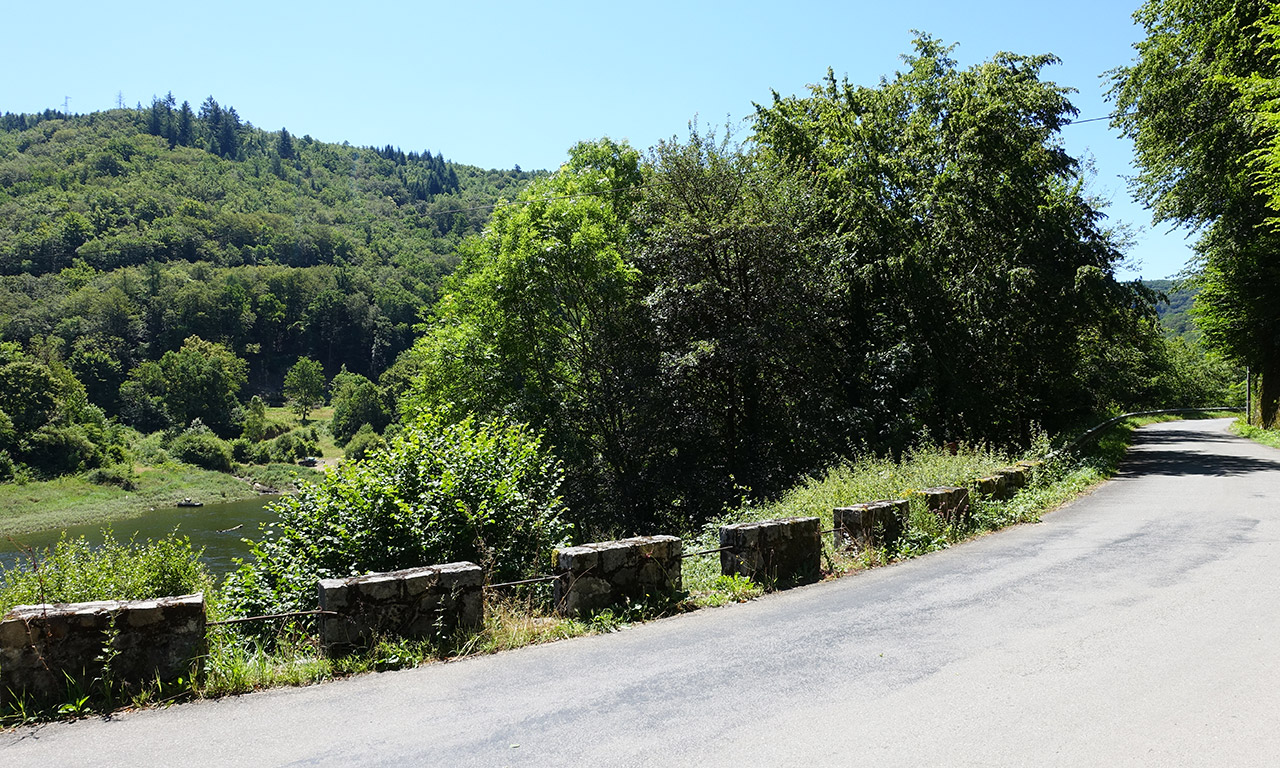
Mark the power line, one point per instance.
(1096, 119)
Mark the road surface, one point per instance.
(1137, 626)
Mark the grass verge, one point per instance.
(1269, 437)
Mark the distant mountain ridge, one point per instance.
(1175, 316)
(168, 183)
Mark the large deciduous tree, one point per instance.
(541, 322)
(974, 270)
(304, 386)
(1187, 104)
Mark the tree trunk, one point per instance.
(1269, 390)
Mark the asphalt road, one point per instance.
(1137, 626)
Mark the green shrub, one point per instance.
(74, 572)
(362, 444)
(150, 450)
(440, 493)
(242, 450)
(286, 448)
(202, 449)
(120, 475)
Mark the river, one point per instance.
(217, 528)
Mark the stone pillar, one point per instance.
(1014, 477)
(420, 603)
(596, 576)
(874, 524)
(774, 553)
(47, 651)
(948, 502)
(994, 487)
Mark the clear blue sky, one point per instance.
(501, 84)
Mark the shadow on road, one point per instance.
(1195, 456)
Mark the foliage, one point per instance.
(1197, 128)
(198, 381)
(975, 274)
(304, 386)
(470, 490)
(539, 322)
(876, 263)
(47, 424)
(255, 421)
(363, 444)
(286, 448)
(124, 187)
(357, 403)
(202, 449)
(72, 571)
(121, 475)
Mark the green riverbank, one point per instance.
(73, 500)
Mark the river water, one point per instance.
(217, 528)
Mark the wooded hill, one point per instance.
(124, 232)
(129, 186)
(1175, 314)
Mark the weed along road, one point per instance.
(1138, 625)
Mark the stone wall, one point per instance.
(418, 603)
(870, 525)
(596, 576)
(775, 553)
(49, 651)
(948, 502)
(1015, 478)
(993, 487)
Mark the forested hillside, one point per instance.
(1175, 313)
(136, 245)
(123, 233)
(126, 187)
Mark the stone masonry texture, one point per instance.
(50, 651)
(774, 553)
(948, 502)
(870, 525)
(593, 577)
(418, 603)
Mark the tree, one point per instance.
(186, 119)
(200, 381)
(284, 144)
(1197, 136)
(742, 309)
(542, 322)
(357, 403)
(973, 274)
(304, 386)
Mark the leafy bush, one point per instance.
(60, 449)
(203, 449)
(286, 448)
(241, 450)
(364, 443)
(150, 449)
(73, 571)
(483, 492)
(114, 474)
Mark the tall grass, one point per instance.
(72, 571)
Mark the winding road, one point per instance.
(1139, 625)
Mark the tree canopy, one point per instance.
(1201, 135)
